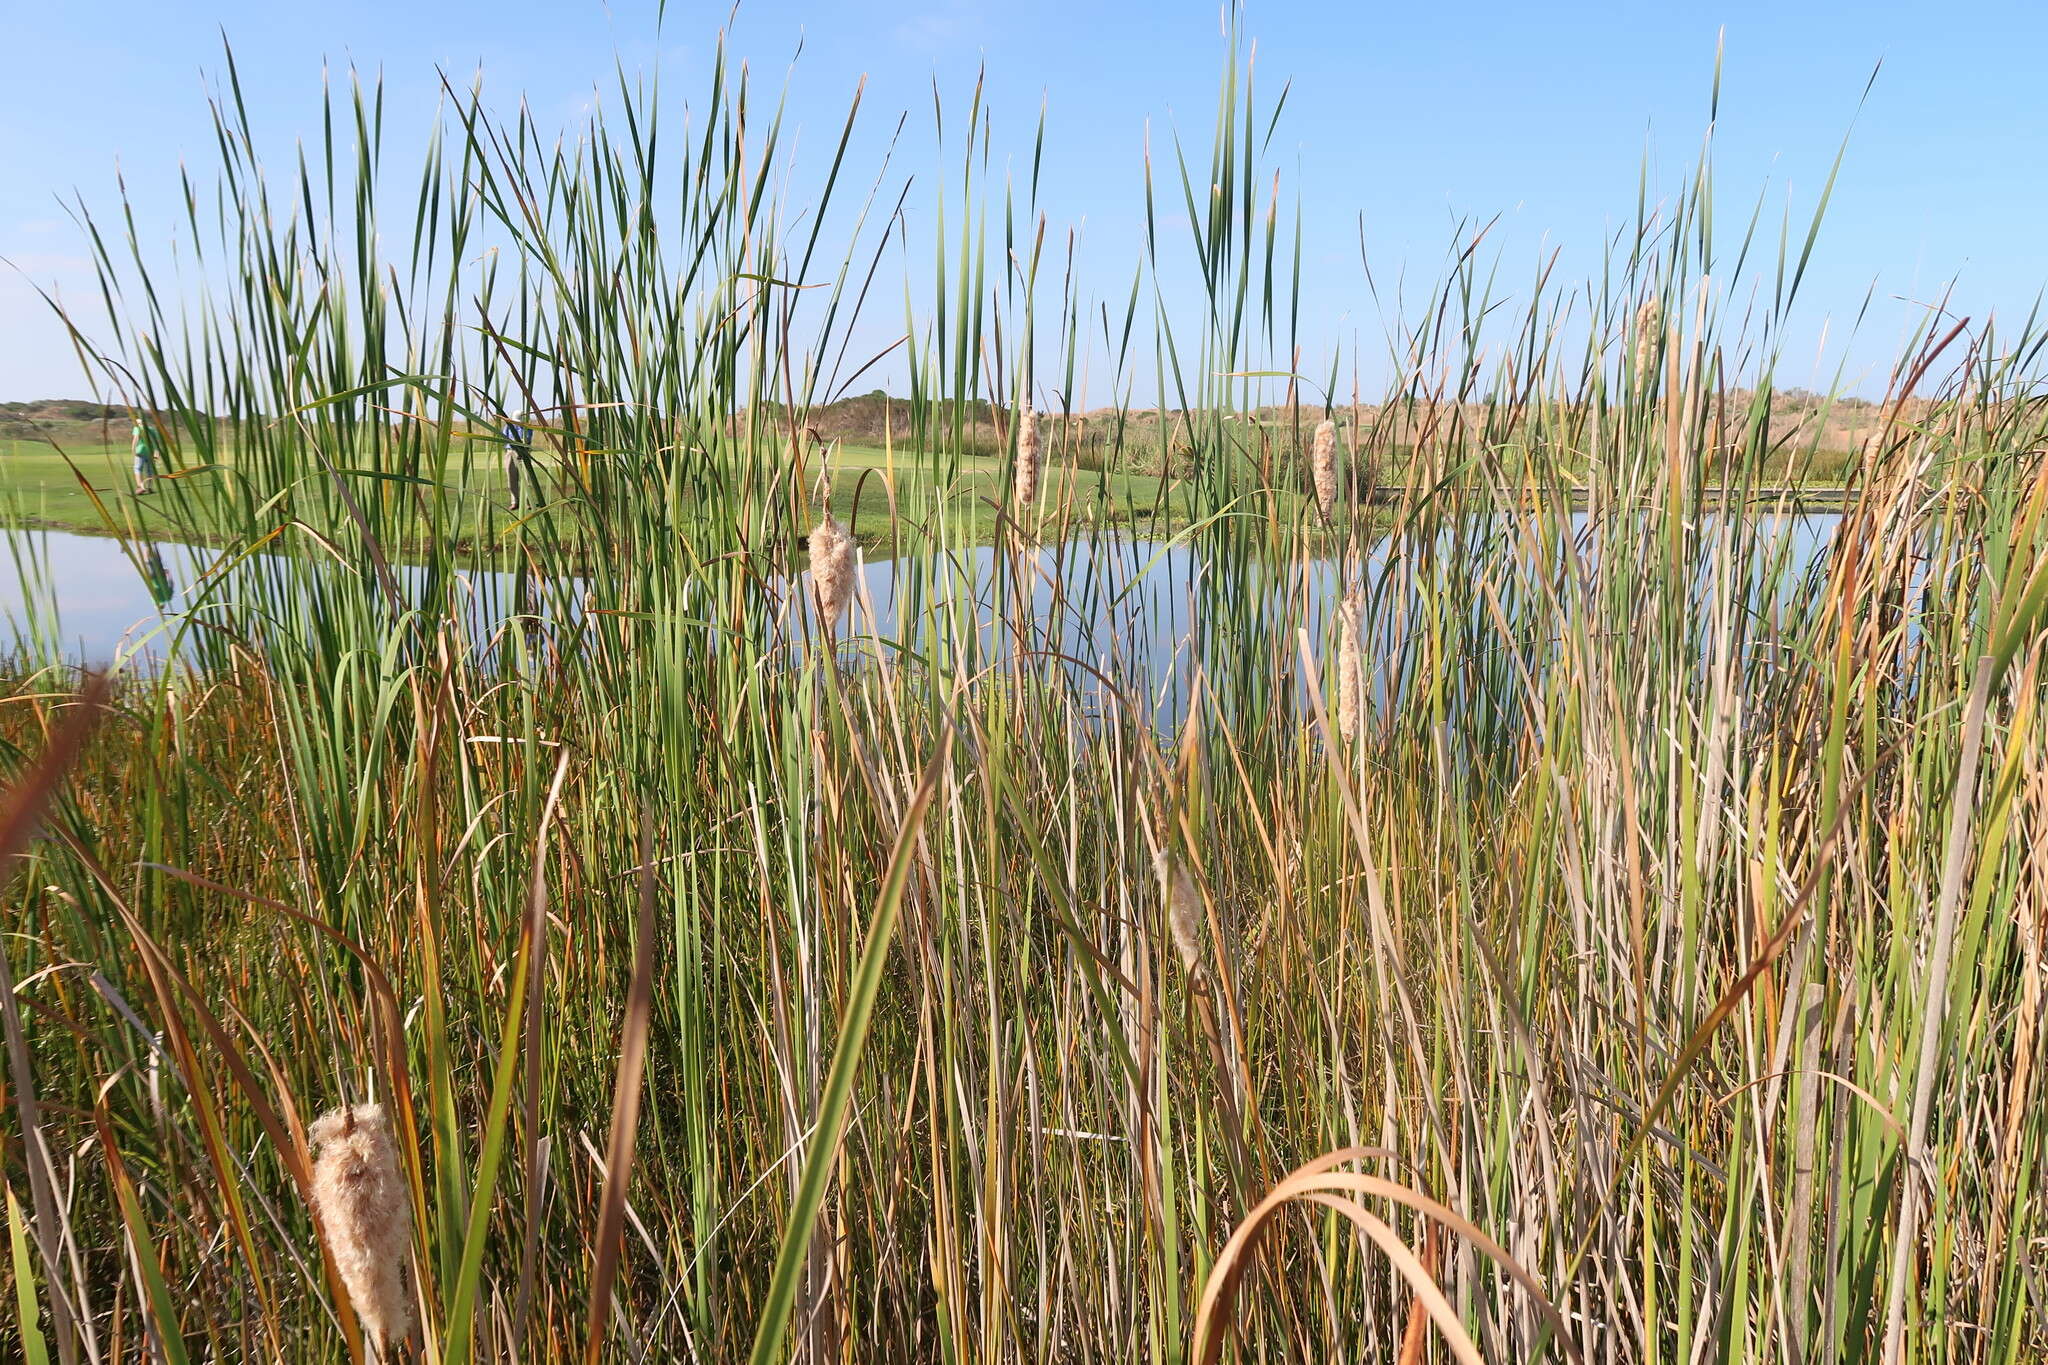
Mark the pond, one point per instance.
(1120, 613)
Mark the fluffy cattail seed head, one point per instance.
(1649, 332)
(832, 551)
(1322, 464)
(1183, 910)
(1350, 682)
(366, 1217)
(1026, 490)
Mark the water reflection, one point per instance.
(1129, 622)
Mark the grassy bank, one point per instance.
(1548, 930)
(40, 486)
(1127, 484)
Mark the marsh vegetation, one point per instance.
(1632, 923)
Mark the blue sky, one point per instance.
(1409, 116)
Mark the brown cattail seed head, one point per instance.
(832, 550)
(1322, 464)
(1026, 491)
(1350, 684)
(366, 1217)
(1183, 910)
(1649, 332)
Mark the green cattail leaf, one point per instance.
(33, 1350)
(826, 1132)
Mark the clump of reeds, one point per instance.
(1338, 988)
(1350, 682)
(360, 1199)
(1025, 491)
(1649, 331)
(1322, 464)
(1183, 909)
(1133, 965)
(832, 554)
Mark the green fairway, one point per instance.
(891, 499)
(885, 498)
(37, 482)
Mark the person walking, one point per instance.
(518, 458)
(145, 458)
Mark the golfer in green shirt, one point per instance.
(145, 458)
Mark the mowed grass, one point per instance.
(37, 482)
(892, 503)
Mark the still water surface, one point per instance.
(1116, 609)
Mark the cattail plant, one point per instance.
(360, 1200)
(832, 547)
(1133, 964)
(826, 1019)
(1649, 331)
(1183, 910)
(1350, 685)
(1026, 487)
(1322, 464)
